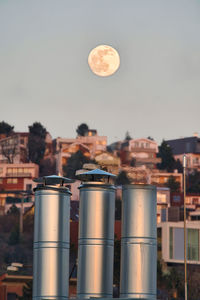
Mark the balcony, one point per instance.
(18, 174)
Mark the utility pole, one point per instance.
(185, 229)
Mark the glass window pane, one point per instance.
(193, 244)
(171, 243)
(179, 243)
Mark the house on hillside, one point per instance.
(189, 146)
(90, 145)
(109, 162)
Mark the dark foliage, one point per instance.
(128, 137)
(193, 184)
(178, 166)
(150, 138)
(47, 167)
(36, 142)
(122, 178)
(27, 291)
(13, 210)
(14, 236)
(173, 185)
(167, 159)
(82, 129)
(74, 163)
(133, 162)
(6, 128)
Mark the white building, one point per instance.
(171, 242)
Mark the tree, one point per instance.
(36, 142)
(14, 236)
(74, 163)
(167, 159)
(27, 291)
(178, 166)
(6, 128)
(150, 138)
(82, 129)
(133, 162)
(127, 136)
(173, 184)
(47, 166)
(11, 150)
(122, 178)
(193, 185)
(13, 210)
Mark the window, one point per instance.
(12, 180)
(1, 180)
(28, 187)
(193, 244)
(176, 244)
(162, 198)
(195, 160)
(171, 242)
(1, 170)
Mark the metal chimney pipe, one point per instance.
(139, 242)
(51, 239)
(96, 236)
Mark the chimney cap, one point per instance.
(94, 175)
(53, 180)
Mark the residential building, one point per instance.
(144, 152)
(14, 180)
(163, 202)
(13, 149)
(11, 285)
(171, 242)
(160, 178)
(108, 161)
(189, 146)
(151, 176)
(89, 145)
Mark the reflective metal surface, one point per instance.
(96, 175)
(96, 240)
(51, 243)
(139, 242)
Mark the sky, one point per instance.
(45, 77)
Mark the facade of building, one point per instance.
(171, 239)
(163, 202)
(89, 145)
(108, 161)
(189, 146)
(14, 179)
(11, 285)
(13, 149)
(160, 178)
(144, 152)
(151, 176)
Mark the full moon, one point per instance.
(104, 60)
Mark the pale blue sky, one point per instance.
(44, 75)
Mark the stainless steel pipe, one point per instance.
(51, 242)
(96, 240)
(139, 242)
